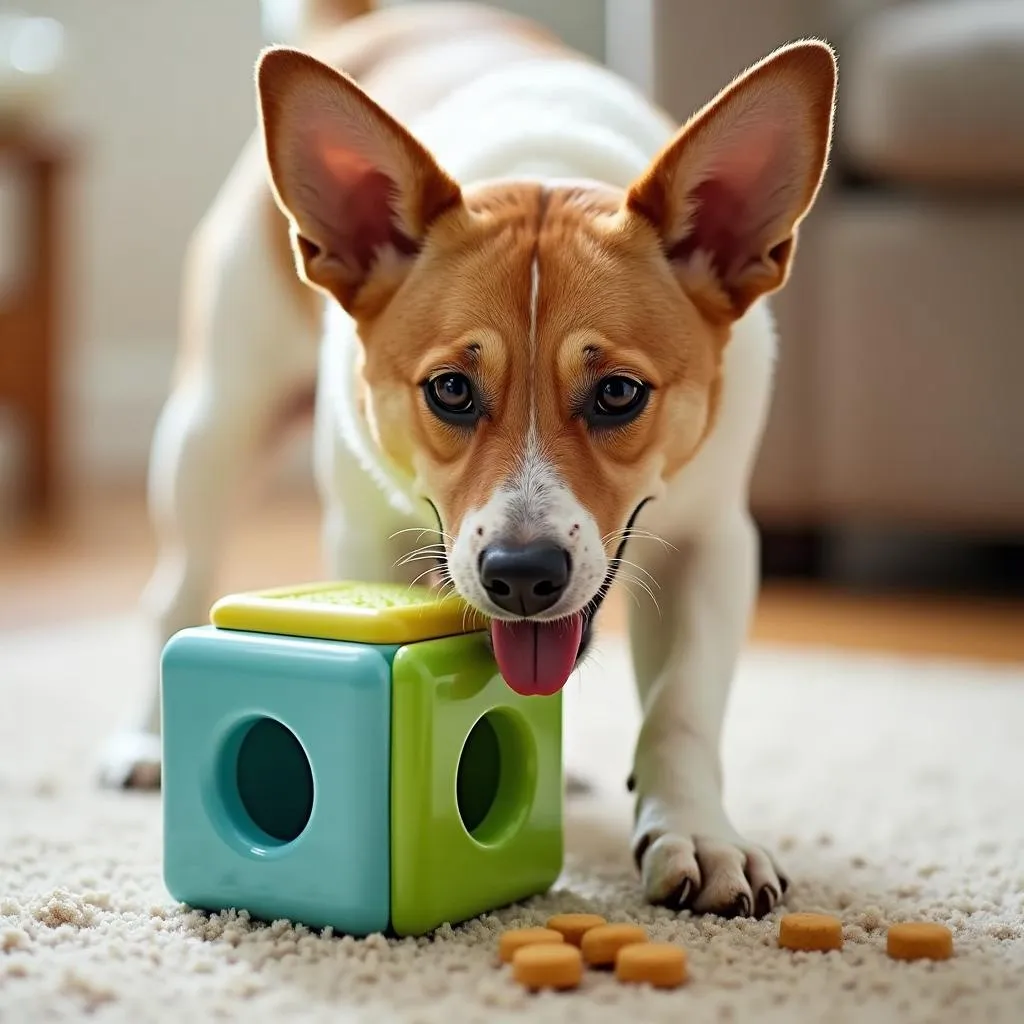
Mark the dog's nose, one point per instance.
(525, 579)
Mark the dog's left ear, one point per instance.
(360, 191)
(728, 192)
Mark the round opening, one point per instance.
(496, 777)
(273, 780)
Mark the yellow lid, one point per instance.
(369, 613)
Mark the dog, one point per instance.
(529, 312)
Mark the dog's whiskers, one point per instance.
(435, 552)
(433, 563)
(426, 572)
(633, 532)
(626, 577)
(420, 530)
(639, 568)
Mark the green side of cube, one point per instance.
(476, 786)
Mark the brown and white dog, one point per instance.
(532, 310)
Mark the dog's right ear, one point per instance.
(727, 194)
(357, 188)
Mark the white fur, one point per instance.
(534, 504)
(545, 119)
(556, 121)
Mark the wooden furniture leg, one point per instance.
(30, 322)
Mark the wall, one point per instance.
(581, 23)
(159, 96)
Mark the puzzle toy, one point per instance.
(348, 755)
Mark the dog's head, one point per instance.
(540, 360)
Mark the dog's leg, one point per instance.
(363, 537)
(253, 352)
(688, 852)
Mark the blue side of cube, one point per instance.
(235, 786)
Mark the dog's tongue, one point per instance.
(536, 658)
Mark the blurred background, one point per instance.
(890, 487)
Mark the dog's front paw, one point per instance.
(708, 875)
(131, 760)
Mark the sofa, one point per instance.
(900, 382)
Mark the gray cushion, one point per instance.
(933, 93)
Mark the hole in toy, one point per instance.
(274, 780)
(496, 777)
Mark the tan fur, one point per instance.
(609, 302)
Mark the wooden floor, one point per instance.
(98, 560)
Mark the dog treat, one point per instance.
(601, 945)
(811, 932)
(552, 965)
(919, 940)
(657, 963)
(574, 926)
(519, 938)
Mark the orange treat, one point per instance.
(812, 932)
(574, 926)
(657, 963)
(518, 938)
(919, 940)
(550, 965)
(601, 945)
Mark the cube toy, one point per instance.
(348, 755)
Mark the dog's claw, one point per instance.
(640, 851)
(740, 907)
(767, 897)
(679, 899)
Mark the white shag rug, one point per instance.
(891, 789)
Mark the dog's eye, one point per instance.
(616, 394)
(450, 395)
(617, 400)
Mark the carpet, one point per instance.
(890, 789)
